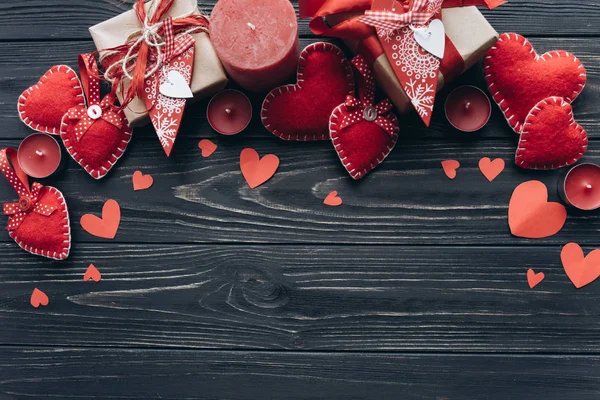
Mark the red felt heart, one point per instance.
(363, 145)
(550, 137)
(47, 236)
(519, 78)
(43, 105)
(301, 111)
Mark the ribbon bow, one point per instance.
(29, 200)
(418, 13)
(363, 109)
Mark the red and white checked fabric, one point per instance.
(28, 199)
(363, 109)
(174, 48)
(419, 13)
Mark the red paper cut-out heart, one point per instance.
(207, 147)
(92, 273)
(257, 170)
(581, 270)
(550, 137)
(38, 298)
(450, 167)
(141, 181)
(530, 215)
(301, 111)
(519, 78)
(533, 279)
(491, 169)
(333, 199)
(43, 105)
(107, 226)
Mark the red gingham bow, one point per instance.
(364, 108)
(174, 48)
(28, 199)
(419, 13)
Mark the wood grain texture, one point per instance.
(309, 297)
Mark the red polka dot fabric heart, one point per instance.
(519, 78)
(550, 137)
(301, 111)
(39, 221)
(43, 105)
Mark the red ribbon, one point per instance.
(29, 200)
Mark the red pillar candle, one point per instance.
(256, 40)
(581, 187)
(229, 112)
(468, 108)
(39, 155)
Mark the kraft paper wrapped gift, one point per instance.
(208, 75)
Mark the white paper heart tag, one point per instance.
(176, 86)
(432, 38)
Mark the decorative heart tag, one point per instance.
(141, 181)
(432, 38)
(533, 279)
(450, 167)
(530, 215)
(176, 86)
(105, 227)
(257, 170)
(581, 270)
(38, 298)
(550, 137)
(207, 147)
(519, 78)
(333, 199)
(491, 169)
(43, 105)
(92, 273)
(301, 111)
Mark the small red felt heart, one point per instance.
(519, 78)
(107, 226)
(551, 138)
(38, 298)
(92, 273)
(534, 278)
(581, 270)
(141, 181)
(43, 105)
(301, 111)
(333, 199)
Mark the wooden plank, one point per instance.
(19, 70)
(65, 19)
(407, 200)
(106, 373)
(308, 297)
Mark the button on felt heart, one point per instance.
(105, 227)
(519, 78)
(257, 170)
(43, 105)
(301, 111)
(581, 270)
(551, 138)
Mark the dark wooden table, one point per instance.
(413, 289)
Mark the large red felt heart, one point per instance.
(519, 78)
(550, 137)
(43, 105)
(301, 111)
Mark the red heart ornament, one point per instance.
(301, 111)
(43, 105)
(581, 270)
(519, 78)
(550, 137)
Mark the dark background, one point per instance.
(413, 289)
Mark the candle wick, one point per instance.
(468, 105)
(588, 186)
(251, 26)
(228, 111)
(39, 153)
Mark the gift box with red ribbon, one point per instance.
(414, 46)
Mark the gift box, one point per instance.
(208, 76)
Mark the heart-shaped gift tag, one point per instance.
(43, 105)
(550, 137)
(301, 111)
(432, 38)
(176, 86)
(519, 78)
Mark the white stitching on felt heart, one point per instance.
(319, 46)
(497, 96)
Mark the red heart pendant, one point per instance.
(550, 137)
(519, 78)
(43, 105)
(301, 111)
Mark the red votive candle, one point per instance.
(39, 155)
(256, 40)
(468, 108)
(229, 112)
(581, 187)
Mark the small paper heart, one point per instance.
(450, 167)
(333, 199)
(141, 181)
(176, 86)
(534, 278)
(207, 147)
(257, 170)
(38, 298)
(92, 273)
(491, 169)
(432, 38)
(581, 270)
(107, 226)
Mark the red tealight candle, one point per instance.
(581, 187)
(468, 108)
(229, 112)
(39, 155)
